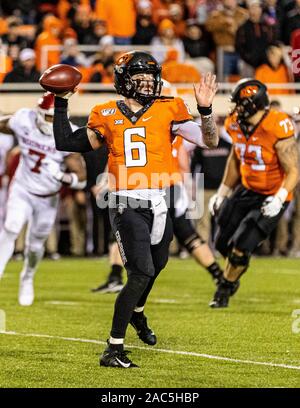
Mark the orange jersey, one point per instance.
(140, 144)
(259, 164)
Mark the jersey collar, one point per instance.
(133, 116)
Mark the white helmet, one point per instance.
(45, 113)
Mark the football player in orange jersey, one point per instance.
(262, 172)
(138, 132)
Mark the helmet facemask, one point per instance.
(146, 87)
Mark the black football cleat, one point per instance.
(113, 286)
(223, 293)
(116, 359)
(139, 323)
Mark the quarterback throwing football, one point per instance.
(138, 132)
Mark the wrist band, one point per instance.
(204, 110)
(60, 102)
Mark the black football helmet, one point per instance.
(249, 96)
(132, 63)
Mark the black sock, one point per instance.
(115, 273)
(126, 302)
(215, 270)
(137, 314)
(113, 347)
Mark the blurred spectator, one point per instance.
(103, 72)
(223, 24)
(106, 53)
(72, 56)
(177, 17)
(49, 36)
(25, 9)
(196, 10)
(161, 10)
(198, 45)
(197, 40)
(145, 28)
(274, 70)
(99, 31)
(167, 38)
(291, 22)
(12, 36)
(26, 71)
(120, 16)
(82, 24)
(253, 38)
(75, 204)
(271, 14)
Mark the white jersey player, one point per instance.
(34, 191)
(6, 144)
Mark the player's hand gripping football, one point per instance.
(206, 89)
(67, 95)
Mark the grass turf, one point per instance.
(257, 327)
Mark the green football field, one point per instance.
(57, 341)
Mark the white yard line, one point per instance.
(181, 353)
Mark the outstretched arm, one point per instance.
(204, 93)
(82, 140)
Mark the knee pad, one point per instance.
(239, 260)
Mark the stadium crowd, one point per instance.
(253, 35)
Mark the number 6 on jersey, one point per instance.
(131, 147)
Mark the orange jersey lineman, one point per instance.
(259, 165)
(140, 144)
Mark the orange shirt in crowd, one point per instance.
(47, 37)
(266, 74)
(6, 65)
(175, 72)
(259, 164)
(120, 16)
(140, 151)
(3, 26)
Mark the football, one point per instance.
(60, 78)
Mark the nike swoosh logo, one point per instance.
(125, 365)
(145, 119)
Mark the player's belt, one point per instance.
(44, 195)
(122, 201)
